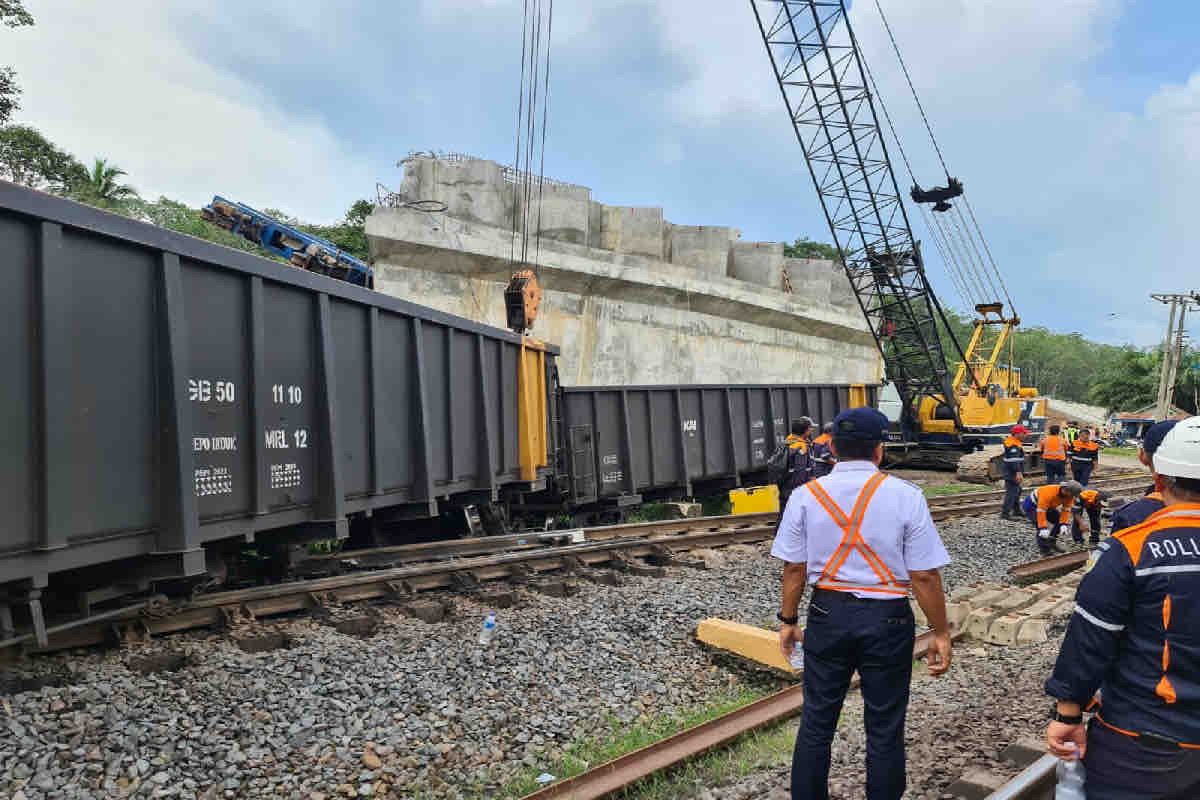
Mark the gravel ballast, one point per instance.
(419, 709)
(990, 698)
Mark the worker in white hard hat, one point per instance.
(1135, 638)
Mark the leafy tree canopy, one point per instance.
(12, 15)
(805, 247)
(28, 158)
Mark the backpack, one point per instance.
(777, 464)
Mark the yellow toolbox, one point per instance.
(754, 499)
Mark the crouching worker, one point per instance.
(1135, 638)
(862, 539)
(1051, 508)
(1091, 503)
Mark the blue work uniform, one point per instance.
(1135, 636)
(1136, 512)
(860, 532)
(1013, 461)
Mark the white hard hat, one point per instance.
(1179, 453)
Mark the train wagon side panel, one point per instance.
(674, 439)
(163, 392)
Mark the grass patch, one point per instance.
(1119, 451)
(716, 505)
(947, 489)
(618, 738)
(650, 512)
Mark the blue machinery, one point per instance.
(299, 248)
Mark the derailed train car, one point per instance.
(167, 399)
(172, 404)
(622, 445)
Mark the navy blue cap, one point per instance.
(864, 424)
(1156, 434)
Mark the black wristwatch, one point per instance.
(794, 619)
(1076, 719)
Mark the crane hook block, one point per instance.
(938, 195)
(522, 298)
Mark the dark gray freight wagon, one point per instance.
(162, 394)
(624, 444)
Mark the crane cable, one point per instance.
(995, 270)
(533, 90)
(966, 282)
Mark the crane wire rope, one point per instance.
(545, 118)
(972, 250)
(533, 95)
(959, 276)
(995, 270)
(512, 247)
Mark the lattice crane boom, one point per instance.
(824, 84)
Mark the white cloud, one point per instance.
(114, 80)
(1085, 203)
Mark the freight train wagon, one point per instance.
(622, 445)
(165, 397)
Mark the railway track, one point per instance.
(397, 573)
(611, 777)
(990, 502)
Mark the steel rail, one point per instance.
(395, 583)
(1035, 782)
(1060, 562)
(441, 565)
(619, 773)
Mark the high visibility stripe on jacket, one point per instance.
(852, 541)
(1048, 497)
(1054, 448)
(1135, 633)
(1083, 452)
(1013, 457)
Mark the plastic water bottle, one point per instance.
(1070, 779)
(796, 659)
(488, 630)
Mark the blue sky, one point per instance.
(1075, 125)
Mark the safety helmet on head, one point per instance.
(1019, 430)
(1072, 488)
(1179, 453)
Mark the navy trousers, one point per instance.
(1093, 520)
(846, 634)
(1012, 498)
(1056, 471)
(1120, 767)
(1082, 471)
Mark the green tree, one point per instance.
(1127, 381)
(12, 15)
(181, 218)
(805, 247)
(30, 159)
(102, 186)
(350, 235)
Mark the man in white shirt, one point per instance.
(863, 539)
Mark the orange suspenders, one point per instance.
(852, 540)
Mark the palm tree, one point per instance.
(100, 187)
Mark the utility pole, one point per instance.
(1172, 349)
